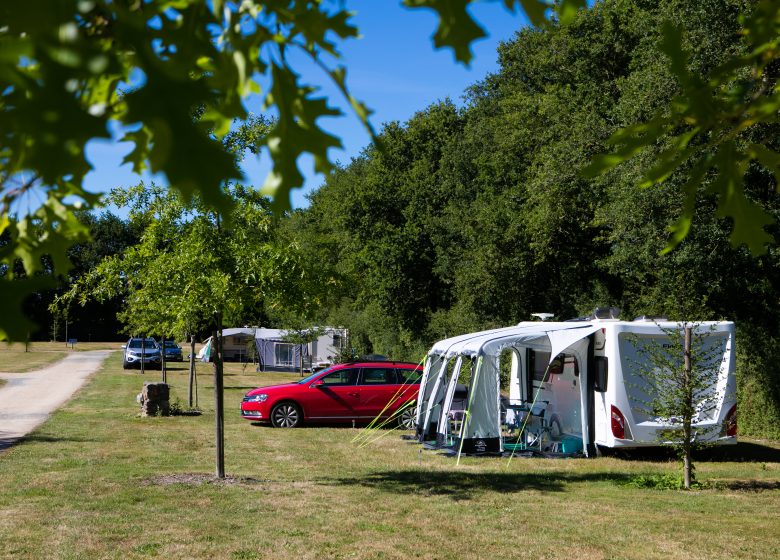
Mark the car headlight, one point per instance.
(262, 397)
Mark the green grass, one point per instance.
(97, 481)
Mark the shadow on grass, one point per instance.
(742, 452)
(461, 486)
(748, 485)
(467, 485)
(6, 441)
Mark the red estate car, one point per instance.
(354, 391)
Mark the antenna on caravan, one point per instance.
(543, 316)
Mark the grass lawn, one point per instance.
(97, 481)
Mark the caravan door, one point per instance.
(557, 392)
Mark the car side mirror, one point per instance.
(317, 384)
(124, 346)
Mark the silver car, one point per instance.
(139, 350)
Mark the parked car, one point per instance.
(172, 351)
(358, 391)
(139, 350)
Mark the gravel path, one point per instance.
(28, 399)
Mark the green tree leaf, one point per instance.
(457, 29)
(295, 132)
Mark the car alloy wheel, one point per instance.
(407, 418)
(285, 415)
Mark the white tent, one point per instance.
(480, 430)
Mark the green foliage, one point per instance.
(713, 129)
(659, 482)
(188, 266)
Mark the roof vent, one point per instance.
(653, 318)
(542, 316)
(606, 313)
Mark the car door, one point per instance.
(334, 395)
(377, 388)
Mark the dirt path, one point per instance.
(28, 398)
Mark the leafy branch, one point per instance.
(708, 131)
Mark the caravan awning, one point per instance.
(559, 337)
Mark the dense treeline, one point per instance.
(468, 218)
(95, 320)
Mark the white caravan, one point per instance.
(572, 386)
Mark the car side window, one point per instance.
(377, 376)
(340, 377)
(406, 376)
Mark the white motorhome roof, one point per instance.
(561, 335)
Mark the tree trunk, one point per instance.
(143, 354)
(163, 365)
(687, 417)
(192, 369)
(219, 408)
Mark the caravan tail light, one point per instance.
(618, 423)
(730, 423)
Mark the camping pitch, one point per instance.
(569, 387)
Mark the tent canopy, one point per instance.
(483, 426)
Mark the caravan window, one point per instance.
(539, 361)
(600, 378)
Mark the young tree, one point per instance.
(678, 376)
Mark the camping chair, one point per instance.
(537, 427)
(457, 410)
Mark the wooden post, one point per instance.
(162, 360)
(219, 408)
(143, 355)
(192, 369)
(689, 409)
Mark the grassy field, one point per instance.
(98, 481)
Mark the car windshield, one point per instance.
(314, 376)
(171, 344)
(136, 343)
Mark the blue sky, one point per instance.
(393, 68)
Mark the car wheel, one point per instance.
(407, 418)
(125, 365)
(285, 415)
